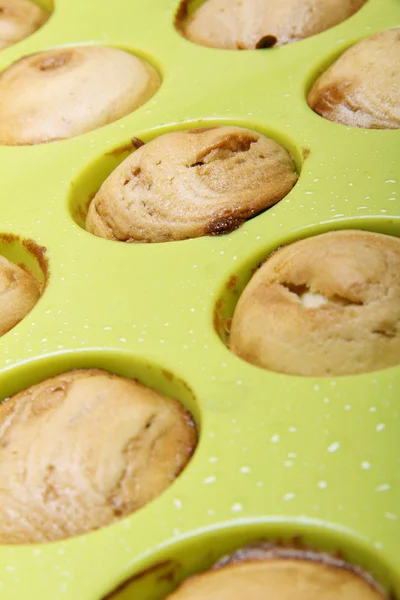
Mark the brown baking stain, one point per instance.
(134, 144)
(258, 266)
(305, 151)
(222, 225)
(188, 388)
(171, 377)
(137, 143)
(217, 317)
(39, 253)
(8, 238)
(181, 14)
(168, 568)
(328, 98)
(231, 285)
(267, 41)
(54, 62)
(167, 374)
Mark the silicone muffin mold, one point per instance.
(278, 457)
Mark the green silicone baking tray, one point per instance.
(314, 461)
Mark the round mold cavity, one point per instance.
(61, 57)
(125, 364)
(228, 295)
(323, 63)
(87, 184)
(321, 66)
(46, 5)
(186, 8)
(18, 378)
(28, 255)
(199, 551)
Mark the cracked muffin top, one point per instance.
(362, 88)
(187, 184)
(249, 24)
(18, 20)
(19, 292)
(65, 92)
(326, 305)
(263, 571)
(83, 449)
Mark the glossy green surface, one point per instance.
(278, 455)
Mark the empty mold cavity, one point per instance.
(88, 183)
(170, 565)
(20, 291)
(236, 282)
(153, 442)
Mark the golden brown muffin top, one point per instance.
(191, 183)
(326, 305)
(18, 20)
(64, 92)
(362, 88)
(19, 292)
(249, 24)
(258, 573)
(83, 449)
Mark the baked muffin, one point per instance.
(261, 572)
(362, 88)
(83, 449)
(18, 19)
(19, 292)
(326, 305)
(65, 92)
(186, 184)
(249, 24)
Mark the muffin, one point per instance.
(65, 92)
(19, 292)
(249, 24)
(187, 184)
(83, 449)
(261, 572)
(326, 305)
(18, 19)
(362, 88)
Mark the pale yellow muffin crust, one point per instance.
(249, 24)
(83, 449)
(187, 184)
(324, 306)
(62, 93)
(258, 574)
(362, 88)
(18, 20)
(19, 292)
